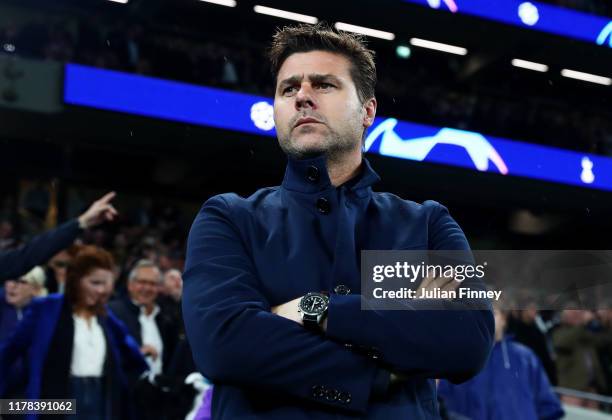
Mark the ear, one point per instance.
(370, 112)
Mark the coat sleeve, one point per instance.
(39, 250)
(454, 343)
(236, 340)
(131, 357)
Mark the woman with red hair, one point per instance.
(74, 347)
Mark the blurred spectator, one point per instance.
(153, 329)
(74, 348)
(16, 296)
(528, 328)
(512, 385)
(56, 269)
(14, 300)
(19, 293)
(604, 318)
(41, 248)
(578, 363)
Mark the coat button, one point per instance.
(318, 391)
(341, 289)
(312, 174)
(331, 394)
(373, 353)
(344, 397)
(323, 205)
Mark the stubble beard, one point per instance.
(333, 147)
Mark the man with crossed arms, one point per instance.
(259, 326)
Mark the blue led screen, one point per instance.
(532, 15)
(181, 102)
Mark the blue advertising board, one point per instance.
(532, 15)
(181, 102)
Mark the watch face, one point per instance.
(314, 304)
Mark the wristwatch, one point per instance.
(313, 308)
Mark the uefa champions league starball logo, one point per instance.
(478, 148)
(528, 13)
(262, 115)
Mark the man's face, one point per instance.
(19, 293)
(316, 106)
(59, 264)
(144, 288)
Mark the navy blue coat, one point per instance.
(245, 255)
(513, 385)
(44, 339)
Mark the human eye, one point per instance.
(288, 90)
(325, 86)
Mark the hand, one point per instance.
(149, 350)
(289, 310)
(100, 211)
(430, 283)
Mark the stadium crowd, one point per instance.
(130, 269)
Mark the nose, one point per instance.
(100, 289)
(304, 97)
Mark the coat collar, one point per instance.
(310, 176)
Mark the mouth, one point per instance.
(307, 120)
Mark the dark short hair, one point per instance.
(87, 258)
(321, 37)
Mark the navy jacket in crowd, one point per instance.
(17, 262)
(44, 339)
(246, 255)
(10, 317)
(513, 385)
(129, 313)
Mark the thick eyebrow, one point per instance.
(313, 78)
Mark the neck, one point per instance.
(148, 308)
(83, 312)
(342, 170)
(20, 305)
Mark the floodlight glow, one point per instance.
(284, 14)
(438, 46)
(529, 65)
(119, 1)
(375, 33)
(403, 51)
(586, 77)
(228, 3)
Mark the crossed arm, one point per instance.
(239, 339)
